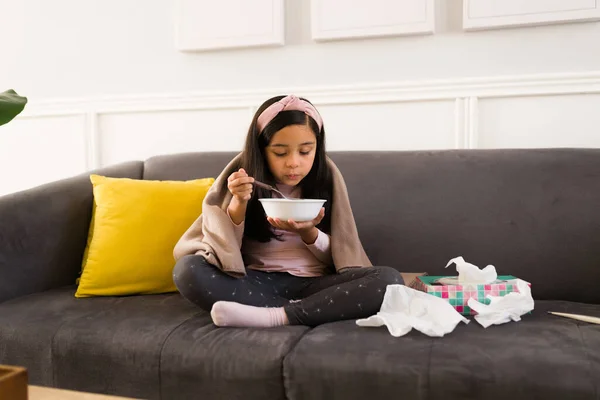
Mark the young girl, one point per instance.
(297, 273)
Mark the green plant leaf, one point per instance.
(11, 104)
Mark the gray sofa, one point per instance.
(532, 213)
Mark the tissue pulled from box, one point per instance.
(472, 274)
(404, 308)
(506, 308)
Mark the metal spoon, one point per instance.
(269, 187)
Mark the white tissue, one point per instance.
(404, 308)
(503, 309)
(471, 274)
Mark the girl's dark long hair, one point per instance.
(316, 185)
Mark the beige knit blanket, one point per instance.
(212, 234)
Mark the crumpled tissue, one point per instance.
(404, 308)
(471, 274)
(503, 309)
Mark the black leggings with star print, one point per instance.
(354, 294)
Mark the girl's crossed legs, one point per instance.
(357, 293)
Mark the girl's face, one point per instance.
(291, 154)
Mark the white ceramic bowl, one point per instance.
(294, 209)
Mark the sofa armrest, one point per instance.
(43, 232)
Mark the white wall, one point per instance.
(106, 83)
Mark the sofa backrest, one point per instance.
(532, 213)
(44, 230)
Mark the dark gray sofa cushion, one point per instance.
(43, 232)
(29, 324)
(200, 360)
(532, 213)
(140, 346)
(106, 345)
(540, 357)
(186, 166)
(118, 350)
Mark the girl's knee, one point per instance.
(182, 265)
(191, 276)
(389, 275)
(187, 271)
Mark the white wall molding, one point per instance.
(465, 123)
(465, 93)
(493, 14)
(364, 93)
(337, 19)
(460, 113)
(471, 129)
(91, 142)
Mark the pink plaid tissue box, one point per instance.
(459, 295)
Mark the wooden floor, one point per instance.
(45, 393)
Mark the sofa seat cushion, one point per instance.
(30, 322)
(106, 345)
(152, 346)
(543, 357)
(203, 361)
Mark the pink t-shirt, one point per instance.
(290, 254)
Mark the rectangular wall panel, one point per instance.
(37, 150)
(390, 126)
(138, 136)
(343, 19)
(209, 24)
(488, 14)
(540, 121)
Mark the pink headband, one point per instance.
(290, 102)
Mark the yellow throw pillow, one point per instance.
(135, 226)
